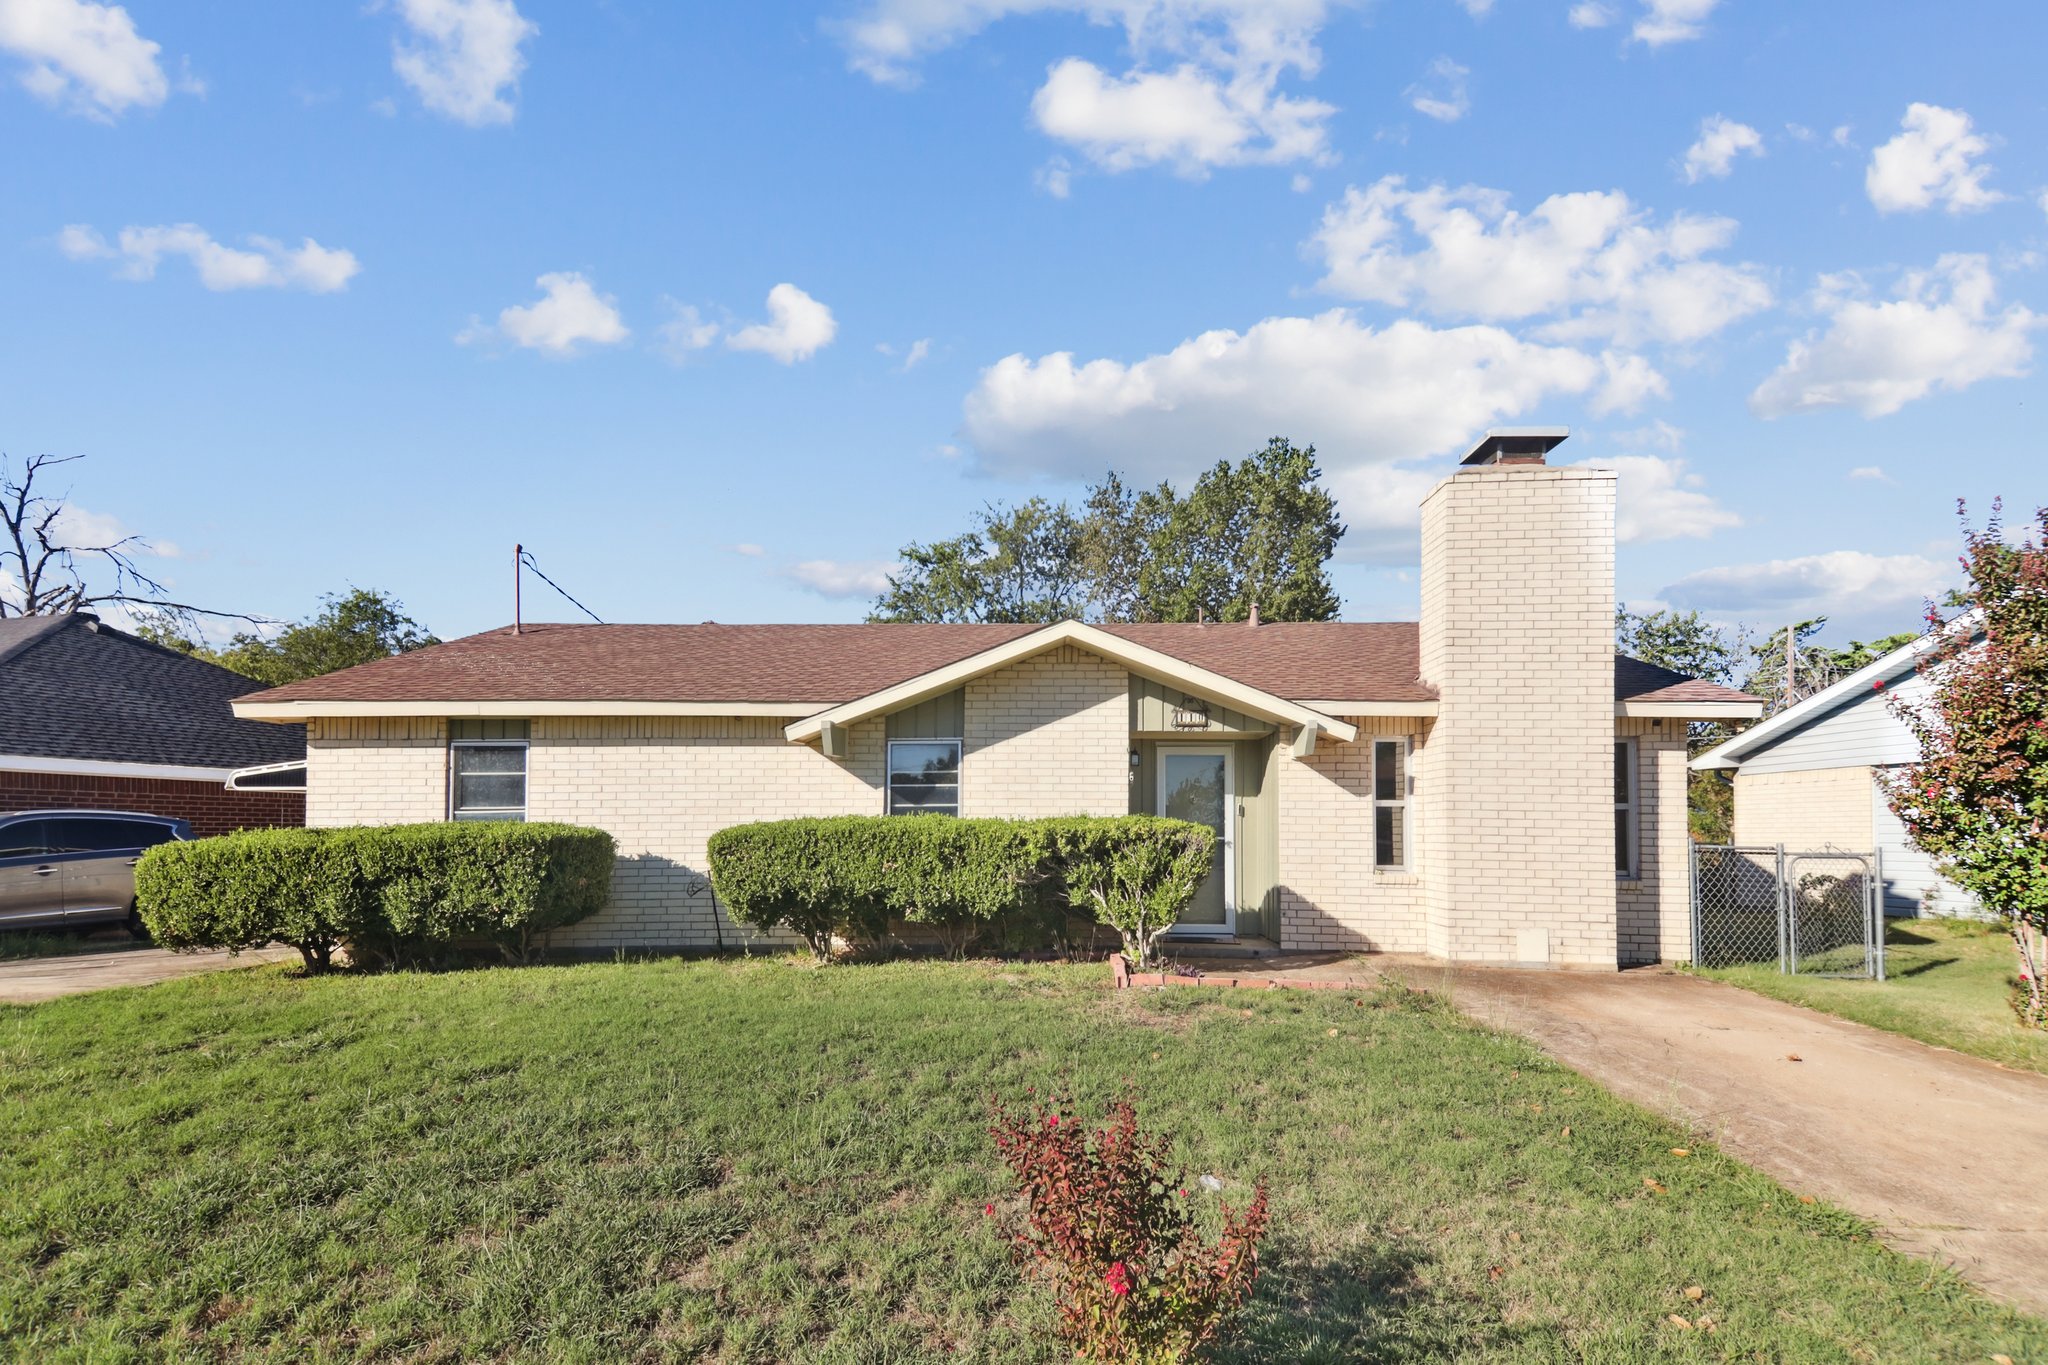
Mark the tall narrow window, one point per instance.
(1390, 803)
(1625, 808)
(924, 776)
(487, 769)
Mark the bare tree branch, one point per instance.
(40, 570)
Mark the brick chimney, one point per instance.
(1517, 636)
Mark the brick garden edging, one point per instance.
(1122, 978)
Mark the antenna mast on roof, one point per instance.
(518, 563)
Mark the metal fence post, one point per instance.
(1877, 925)
(1692, 880)
(1787, 928)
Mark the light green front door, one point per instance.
(1195, 785)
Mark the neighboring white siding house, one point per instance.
(1807, 778)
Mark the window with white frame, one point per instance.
(1390, 790)
(487, 769)
(924, 777)
(1626, 801)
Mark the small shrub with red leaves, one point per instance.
(1110, 1225)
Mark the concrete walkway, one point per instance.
(1942, 1151)
(30, 980)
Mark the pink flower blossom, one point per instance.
(1118, 1279)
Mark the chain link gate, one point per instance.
(1817, 913)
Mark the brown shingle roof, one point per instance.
(1635, 680)
(707, 663)
(827, 665)
(1299, 660)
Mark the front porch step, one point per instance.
(1219, 947)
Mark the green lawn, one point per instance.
(1948, 982)
(765, 1161)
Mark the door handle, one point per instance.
(45, 871)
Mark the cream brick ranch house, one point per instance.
(1489, 784)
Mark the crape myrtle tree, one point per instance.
(1260, 532)
(1977, 801)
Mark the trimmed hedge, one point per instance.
(386, 891)
(851, 876)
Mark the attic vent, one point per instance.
(1516, 445)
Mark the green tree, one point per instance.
(1021, 563)
(1260, 531)
(1688, 643)
(350, 628)
(1977, 801)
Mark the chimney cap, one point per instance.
(1501, 444)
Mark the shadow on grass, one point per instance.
(1897, 937)
(1917, 968)
(1375, 1305)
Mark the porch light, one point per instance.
(1135, 760)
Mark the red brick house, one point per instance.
(92, 718)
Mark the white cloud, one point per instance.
(2043, 201)
(1055, 177)
(1365, 395)
(1661, 21)
(1660, 499)
(82, 526)
(1874, 473)
(1672, 21)
(1592, 262)
(569, 315)
(798, 327)
(1941, 332)
(1721, 140)
(1442, 92)
(844, 578)
(462, 57)
(1840, 137)
(919, 351)
(264, 264)
(1933, 161)
(1202, 89)
(686, 332)
(1837, 583)
(83, 56)
(747, 548)
(1187, 118)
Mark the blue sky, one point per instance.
(716, 306)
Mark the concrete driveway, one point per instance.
(30, 980)
(1942, 1151)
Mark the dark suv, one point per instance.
(65, 867)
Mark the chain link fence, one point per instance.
(1814, 913)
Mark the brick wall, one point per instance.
(1806, 810)
(1331, 897)
(1653, 911)
(1517, 634)
(211, 808)
(1048, 735)
(376, 772)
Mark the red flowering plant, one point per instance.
(1109, 1225)
(1977, 801)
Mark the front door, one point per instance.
(1195, 785)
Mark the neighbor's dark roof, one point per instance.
(827, 665)
(76, 688)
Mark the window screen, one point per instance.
(924, 776)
